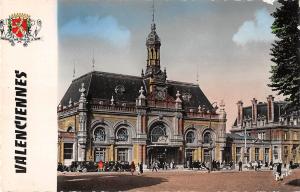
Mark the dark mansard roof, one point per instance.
(236, 136)
(125, 88)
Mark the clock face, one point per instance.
(161, 95)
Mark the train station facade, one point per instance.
(116, 117)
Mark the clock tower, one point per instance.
(153, 74)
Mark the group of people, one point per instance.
(282, 170)
(139, 168)
(256, 165)
(210, 166)
(155, 165)
(133, 167)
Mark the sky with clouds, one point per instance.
(227, 41)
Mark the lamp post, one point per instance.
(210, 140)
(245, 147)
(210, 150)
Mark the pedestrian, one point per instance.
(154, 166)
(141, 167)
(240, 165)
(258, 165)
(137, 168)
(278, 170)
(218, 165)
(231, 164)
(100, 166)
(132, 167)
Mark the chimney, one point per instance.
(254, 111)
(240, 113)
(270, 109)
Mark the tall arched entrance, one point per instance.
(159, 148)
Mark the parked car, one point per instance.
(83, 166)
(295, 166)
(62, 168)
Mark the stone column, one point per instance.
(181, 155)
(200, 154)
(144, 154)
(82, 133)
(130, 155)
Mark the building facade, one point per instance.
(272, 132)
(115, 117)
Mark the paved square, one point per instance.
(178, 181)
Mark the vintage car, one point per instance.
(83, 166)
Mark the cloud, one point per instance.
(106, 28)
(269, 1)
(257, 30)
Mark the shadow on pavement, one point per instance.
(105, 182)
(295, 182)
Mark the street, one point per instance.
(184, 180)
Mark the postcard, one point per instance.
(151, 95)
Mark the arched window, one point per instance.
(190, 137)
(99, 134)
(122, 134)
(158, 133)
(70, 129)
(207, 137)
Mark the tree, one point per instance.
(285, 72)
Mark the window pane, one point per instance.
(68, 150)
(158, 133)
(122, 134)
(99, 134)
(190, 137)
(207, 138)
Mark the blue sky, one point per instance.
(228, 41)
(257, 30)
(101, 28)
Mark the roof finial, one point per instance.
(152, 11)
(73, 69)
(197, 80)
(153, 24)
(93, 61)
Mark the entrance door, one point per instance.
(189, 157)
(100, 154)
(122, 154)
(206, 155)
(163, 154)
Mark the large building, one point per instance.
(115, 117)
(272, 132)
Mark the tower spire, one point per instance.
(153, 48)
(93, 61)
(153, 11)
(153, 27)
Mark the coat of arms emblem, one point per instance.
(20, 28)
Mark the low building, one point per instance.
(272, 133)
